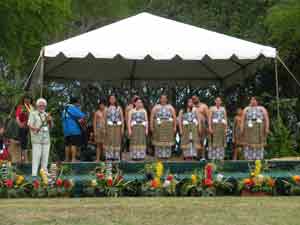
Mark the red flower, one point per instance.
(154, 183)
(208, 182)
(208, 171)
(4, 155)
(110, 182)
(36, 184)
(9, 183)
(100, 176)
(59, 182)
(67, 184)
(170, 178)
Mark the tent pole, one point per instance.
(42, 73)
(277, 88)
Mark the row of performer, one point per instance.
(195, 123)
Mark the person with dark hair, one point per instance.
(114, 120)
(128, 108)
(255, 127)
(237, 133)
(99, 128)
(217, 126)
(189, 129)
(163, 127)
(138, 130)
(22, 115)
(73, 119)
(202, 111)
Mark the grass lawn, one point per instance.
(152, 211)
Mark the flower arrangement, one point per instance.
(257, 183)
(158, 182)
(12, 185)
(107, 181)
(52, 184)
(205, 182)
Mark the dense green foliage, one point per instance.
(25, 26)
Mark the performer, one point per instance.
(22, 114)
(202, 112)
(237, 133)
(217, 123)
(73, 119)
(114, 129)
(129, 107)
(255, 127)
(138, 130)
(163, 127)
(189, 128)
(39, 123)
(99, 128)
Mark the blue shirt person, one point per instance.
(72, 131)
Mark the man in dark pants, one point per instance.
(71, 117)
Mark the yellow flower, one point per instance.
(19, 180)
(159, 169)
(44, 177)
(257, 170)
(93, 183)
(252, 174)
(194, 179)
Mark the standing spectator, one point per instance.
(39, 123)
(22, 114)
(72, 118)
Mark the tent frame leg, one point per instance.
(277, 89)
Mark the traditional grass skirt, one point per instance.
(254, 141)
(113, 142)
(100, 134)
(217, 142)
(237, 135)
(138, 142)
(163, 139)
(254, 136)
(190, 140)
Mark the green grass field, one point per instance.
(152, 211)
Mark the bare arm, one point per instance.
(225, 117)
(94, 121)
(153, 111)
(243, 119)
(129, 123)
(147, 123)
(122, 119)
(267, 120)
(180, 122)
(210, 111)
(174, 119)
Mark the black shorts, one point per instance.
(75, 140)
(23, 138)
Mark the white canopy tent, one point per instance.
(148, 47)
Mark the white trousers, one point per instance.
(40, 155)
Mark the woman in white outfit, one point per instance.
(39, 123)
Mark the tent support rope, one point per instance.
(288, 70)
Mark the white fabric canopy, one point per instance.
(148, 47)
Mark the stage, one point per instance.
(82, 172)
